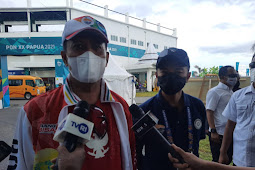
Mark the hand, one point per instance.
(192, 162)
(215, 137)
(67, 160)
(223, 159)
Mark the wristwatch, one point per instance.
(213, 130)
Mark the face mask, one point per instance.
(171, 83)
(252, 75)
(232, 81)
(87, 68)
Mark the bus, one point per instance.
(23, 86)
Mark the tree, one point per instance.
(204, 71)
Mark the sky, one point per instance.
(212, 32)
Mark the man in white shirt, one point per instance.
(240, 113)
(216, 100)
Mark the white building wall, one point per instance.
(113, 27)
(138, 33)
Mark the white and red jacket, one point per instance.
(33, 145)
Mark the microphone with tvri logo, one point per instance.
(144, 128)
(74, 128)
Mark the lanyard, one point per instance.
(190, 130)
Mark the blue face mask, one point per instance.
(171, 83)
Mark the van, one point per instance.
(25, 86)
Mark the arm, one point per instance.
(210, 117)
(228, 137)
(195, 163)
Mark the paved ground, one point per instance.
(8, 118)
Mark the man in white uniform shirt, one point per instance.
(216, 100)
(240, 113)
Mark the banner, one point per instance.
(237, 66)
(53, 46)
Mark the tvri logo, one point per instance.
(83, 128)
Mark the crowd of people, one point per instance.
(181, 118)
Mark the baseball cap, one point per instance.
(172, 56)
(77, 25)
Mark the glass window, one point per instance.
(165, 47)
(156, 46)
(15, 82)
(114, 38)
(30, 83)
(123, 39)
(133, 41)
(39, 82)
(140, 43)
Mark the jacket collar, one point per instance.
(164, 103)
(72, 99)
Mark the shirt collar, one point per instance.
(72, 99)
(250, 89)
(223, 86)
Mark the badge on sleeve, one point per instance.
(198, 124)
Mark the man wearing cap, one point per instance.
(216, 100)
(112, 144)
(181, 117)
(240, 129)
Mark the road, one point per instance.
(8, 118)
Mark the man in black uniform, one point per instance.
(181, 116)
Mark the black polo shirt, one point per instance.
(156, 158)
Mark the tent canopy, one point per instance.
(120, 81)
(114, 71)
(150, 55)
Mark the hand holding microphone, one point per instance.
(67, 160)
(74, 129)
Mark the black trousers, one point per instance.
(215, 149)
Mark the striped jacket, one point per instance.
(33, 144)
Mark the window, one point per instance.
(165, 47)
(148, 44)
(133, 41)
(30, 83)
(156, 46)
(15, 82)
(123, 39)
(39, 82)
(114, 38)
(140, 43)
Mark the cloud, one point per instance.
(224, 26)
(238, 48)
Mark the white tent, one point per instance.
(120, 81)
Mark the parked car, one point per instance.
(25, 86)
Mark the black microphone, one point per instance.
(145, 130)
(70, 140)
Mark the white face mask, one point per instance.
(232, 81)
(87, 68)
(252, 74)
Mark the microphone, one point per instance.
(144, 129)
(74, 128)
